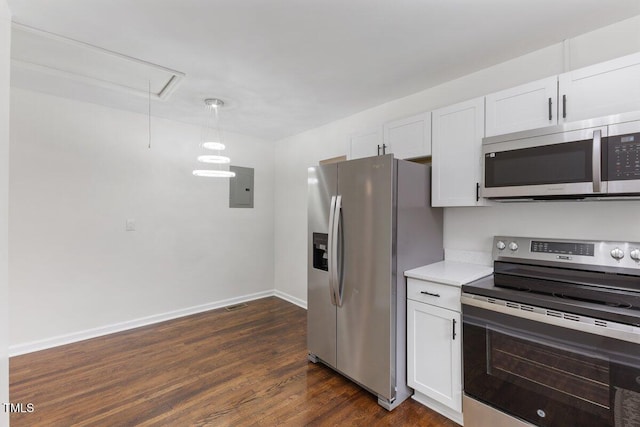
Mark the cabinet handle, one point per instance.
(550, 114)
(454, 329)
(429, 293)
(384, 149)
(564, 106)
(378, 149)
(477, 191)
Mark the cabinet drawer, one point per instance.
(437, 294)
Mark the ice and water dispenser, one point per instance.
(320, 257)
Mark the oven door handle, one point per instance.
(576, 322)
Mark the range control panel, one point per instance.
(563, 248)
(594, 253)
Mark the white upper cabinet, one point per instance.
(457, 153)
(610, 87)
(528, 106)
(406, 138)
(410, 137)
(365, 144)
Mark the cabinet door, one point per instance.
(365, 144)
(611, 87)
(409, 137)
(529, 106)
(457, 153)
(434, 356)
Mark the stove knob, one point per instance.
(500, 245)
(617, 254)
(635, 254)
(513, 246)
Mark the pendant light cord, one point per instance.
(149, 130)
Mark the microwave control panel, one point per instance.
(624, 157)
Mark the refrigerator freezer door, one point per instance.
(321, 312)
(366, 320)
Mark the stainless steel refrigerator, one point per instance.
(369, 221)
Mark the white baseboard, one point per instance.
(291, 299)
(29, 347)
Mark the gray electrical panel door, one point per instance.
(241, 187)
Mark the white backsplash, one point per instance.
(470, 257)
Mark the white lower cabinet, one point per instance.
(434, 347)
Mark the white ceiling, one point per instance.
(285, 66)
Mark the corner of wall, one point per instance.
(5, 62)
(274, 189)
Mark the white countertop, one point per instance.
(450, 272)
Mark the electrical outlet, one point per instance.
(131, 225)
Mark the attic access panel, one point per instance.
(241, 187)
(63, 58)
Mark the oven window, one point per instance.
(550, 164)
(568, 376)
(549, 375)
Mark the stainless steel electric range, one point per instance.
(553, 337)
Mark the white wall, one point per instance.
(5, 60)
(78, 171)
(468, 229)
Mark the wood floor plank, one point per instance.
(219, 368)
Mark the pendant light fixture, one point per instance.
(213, 141)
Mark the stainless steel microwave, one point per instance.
(598, 158)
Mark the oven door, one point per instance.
(558, 164)
(547, 374)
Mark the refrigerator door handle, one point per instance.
(332, 252)
(337, 242)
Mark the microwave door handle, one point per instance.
(596, 161)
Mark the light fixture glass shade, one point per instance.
(213, 145)
(213, 159)
(212, 142)
(214, 173)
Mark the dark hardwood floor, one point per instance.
(219, 368)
